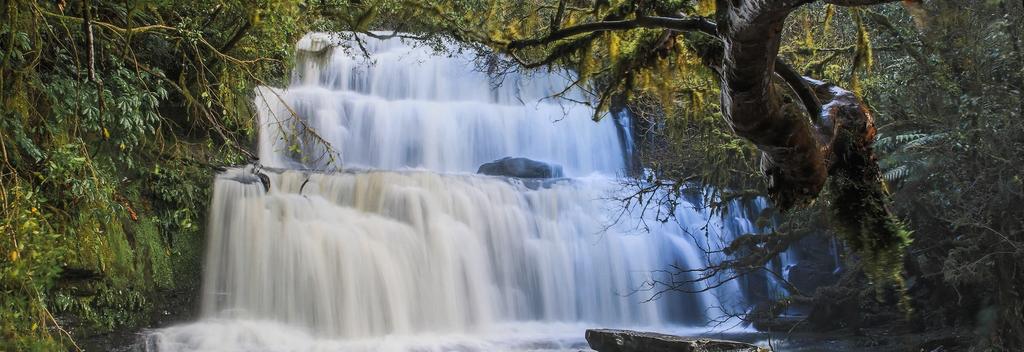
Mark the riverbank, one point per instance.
(173, 307)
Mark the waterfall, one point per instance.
(388, 240)
(406, 107)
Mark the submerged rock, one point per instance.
(521, 168)
(603, 340)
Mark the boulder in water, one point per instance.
(603, 340)
(521, 168)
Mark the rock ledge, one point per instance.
(521, 168)
(605, 340)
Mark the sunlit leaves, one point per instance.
(705, 8)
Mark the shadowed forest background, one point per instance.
(116, 115)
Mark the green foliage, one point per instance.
(106, 148)
(29, 267)
(902, 162)
(950, 102)
(122, 114)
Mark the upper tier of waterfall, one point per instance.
(405, 106)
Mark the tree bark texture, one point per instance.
(792, 157)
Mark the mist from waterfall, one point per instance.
(405, 248)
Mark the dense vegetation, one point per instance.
(115, 115)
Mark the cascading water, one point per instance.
(407, 107)
(413, 251)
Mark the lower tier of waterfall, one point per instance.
(357, 256)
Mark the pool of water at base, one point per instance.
(266, 336)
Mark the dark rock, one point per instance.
(249, 177)
(79, 274)
(756, 287)
(807, 276)
(603, 340)
(772, 316)
(521, 168)
(836, 307)
(265, 180)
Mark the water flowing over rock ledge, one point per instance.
(606, 340)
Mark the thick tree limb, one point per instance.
(790, 75)
(792, 159)
(799, 155)
(680, 24)
(798, 158)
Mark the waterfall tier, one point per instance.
(404, 106)
(375, 253)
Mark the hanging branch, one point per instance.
(90, 55)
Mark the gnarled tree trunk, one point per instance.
(800, 155)
(792, 159)
(801, 152)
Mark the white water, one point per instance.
(416, 253)
(409, 108)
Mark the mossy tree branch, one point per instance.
(802, 149)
